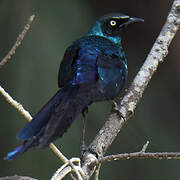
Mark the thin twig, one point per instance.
(15, 104)
(60, 174)
(76, 170)
(58, 153)
(18, 41)
(69, 167)
(97, 172)
(16, 177)
(142, 155)
(144, 148)
(124, 110)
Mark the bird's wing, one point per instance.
(78, 66)
(66, 70)
(112, 73)
(110, 66)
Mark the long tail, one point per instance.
(53, 119)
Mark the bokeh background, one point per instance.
(31, 78)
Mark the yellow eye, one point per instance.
(112, 23)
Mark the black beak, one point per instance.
(134, 19)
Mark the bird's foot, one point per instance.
(84, 149)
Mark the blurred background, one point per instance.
(31, 78)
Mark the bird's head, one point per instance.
(111, 25)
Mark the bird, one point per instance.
(93, 69)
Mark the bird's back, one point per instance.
(101, 64)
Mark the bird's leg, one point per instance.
(83, 147)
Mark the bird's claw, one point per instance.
(85, 149)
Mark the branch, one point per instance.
(18, 42)
(15, 104)
(141, 155)
(69, 167)
(124, 110)
(15, 177)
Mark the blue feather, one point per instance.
(11, 155)
(40, 120)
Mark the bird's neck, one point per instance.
(97, 31)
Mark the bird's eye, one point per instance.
(113, 23)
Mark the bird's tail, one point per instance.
(53, 119)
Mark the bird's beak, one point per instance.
(131, 20)
(134, 19)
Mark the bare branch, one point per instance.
(15, 104)
(60, 174)
(124, 110)
(145, 147)
(58, 153)
(97, 172)
(15, 177)
(18, 42)
(69, 167)
(142, 155)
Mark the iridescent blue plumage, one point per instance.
(93, 68)
(13, 154)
